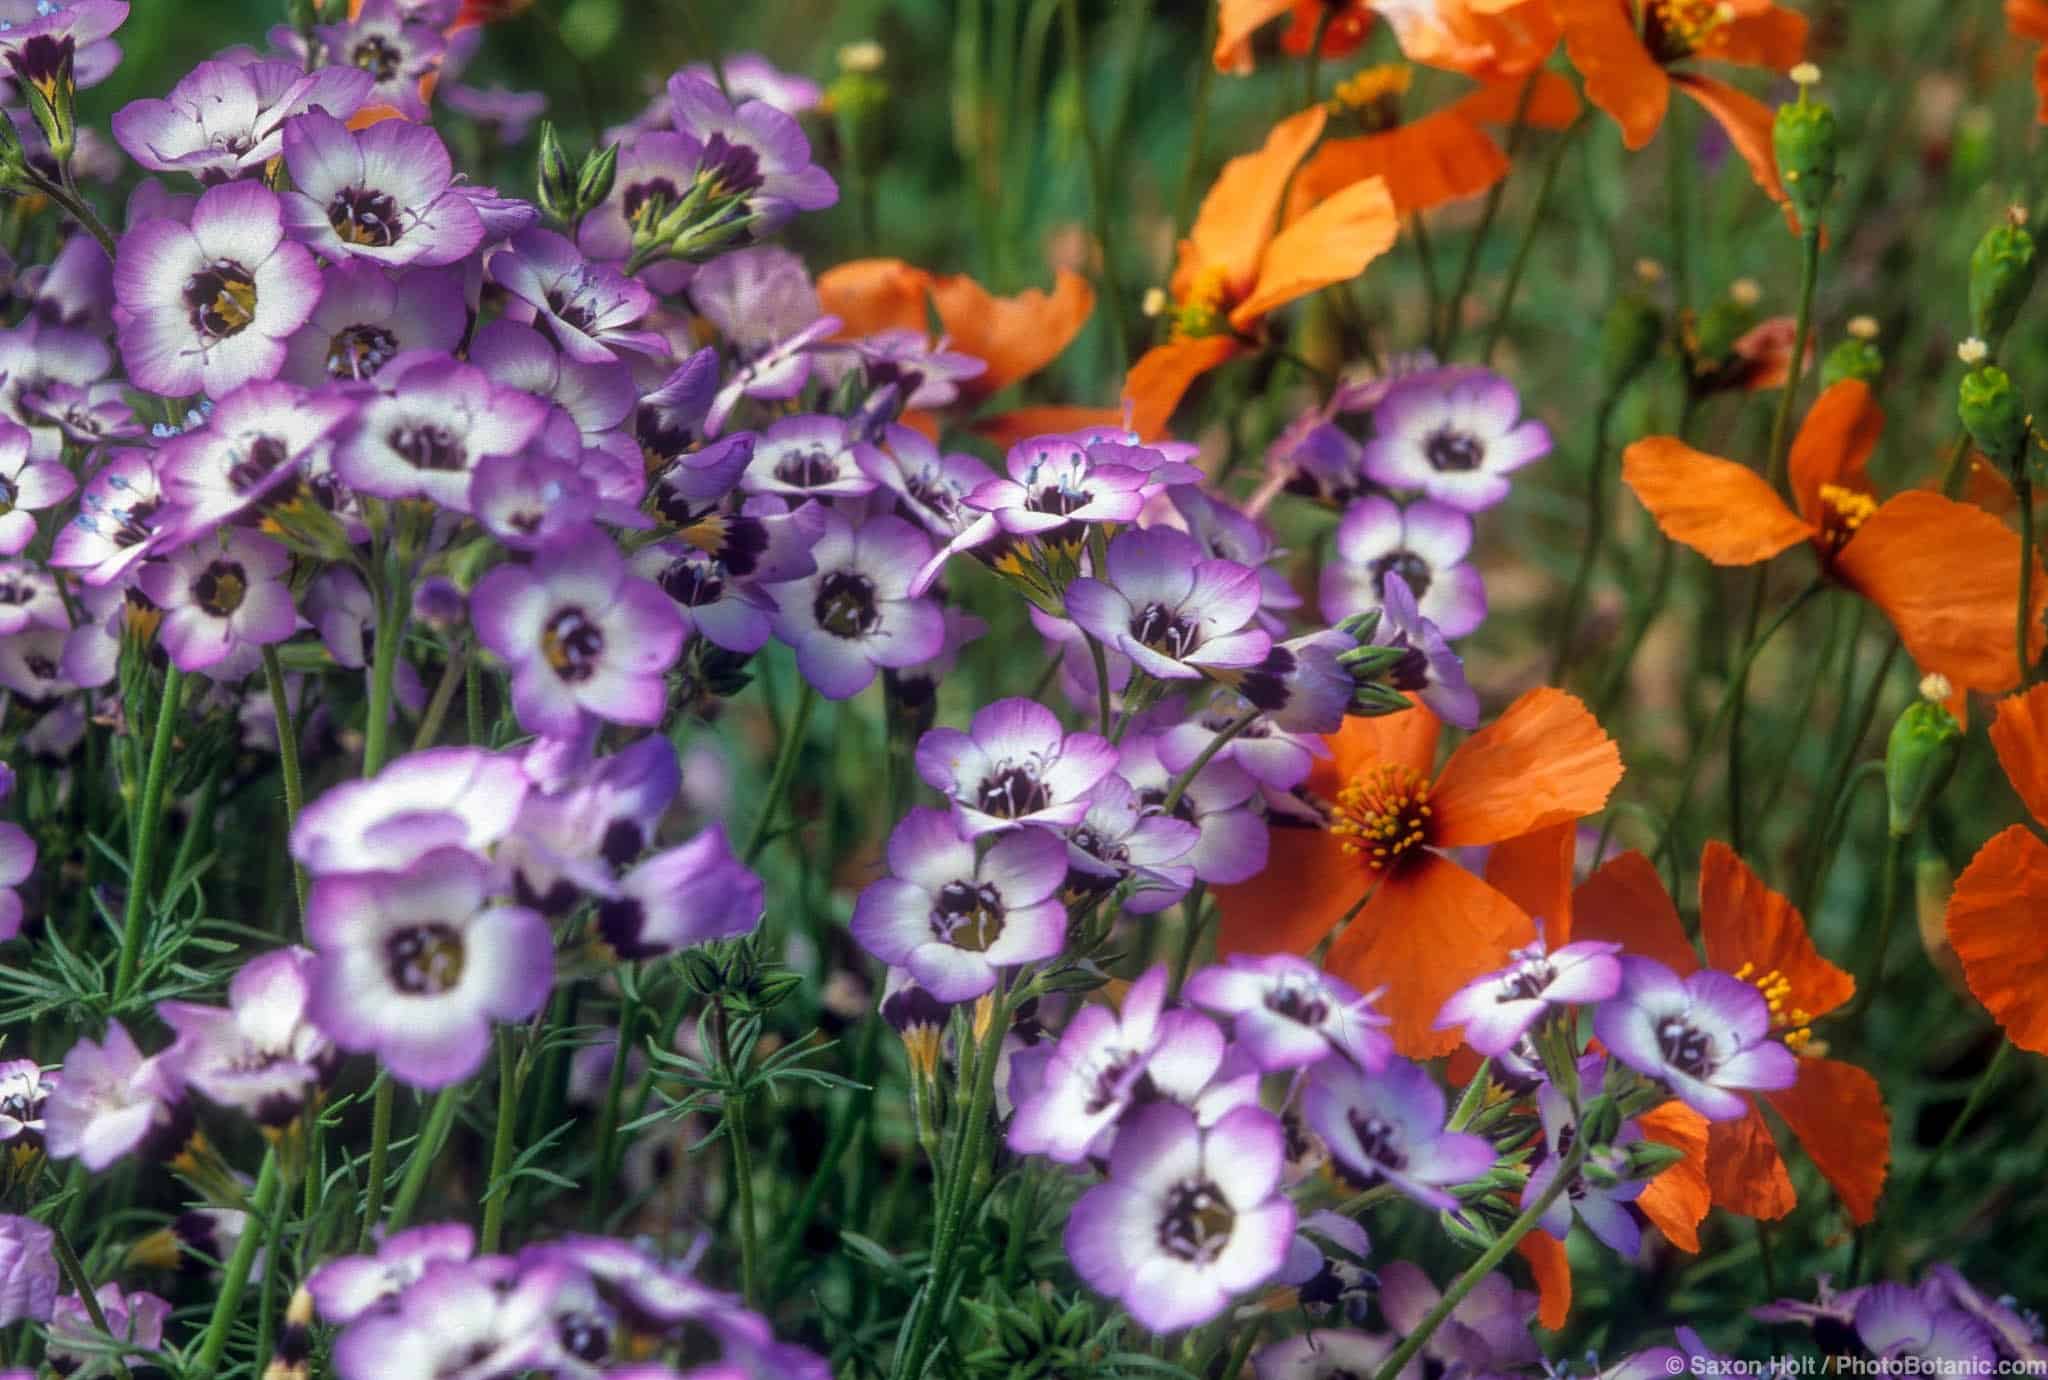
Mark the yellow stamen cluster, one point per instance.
(1383, 815)
(1794, 1023)
(1688, 26)
(1374, 94)
(1201, 312)
(1848, 509)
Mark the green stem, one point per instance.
(1802, 333)
(1425, 263)
(786, 753)
(142, 870)
(1194, 769)
(1978, 1092)
(1888, 892)
(1838, 774)
(1311, 67)
(1468, 264)
(288, 756)
(1198, 130)
(1596, 536)
(236, 1279)
(1098, 176)
(1241, 1349)
(1838, 816)
(75, 206)
(1645, 613)
(1956, 467)
(733, 1113)
(473, 702)
(273, 1259)
(452, 675)
(615, 1087)
(383, 667)
(425, 1150)
(380, 1160)
(1101, 661)
(81, 1284)
(497, 1190)
(1191, 934)
(1520, 263)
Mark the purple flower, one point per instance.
(225, 120)
(367, 316)
(1602, 1204)
(118, 515)
(440, 798)
(508, 113)
(77, 1349)
(260, 1055)
(31, 665)
(29, 598)
(670, 425)
(724, 611)
(27, 485)
(1188, 1218)
(427, 429)
(24, 1088)
(531, 502)
(108, 1101)
(88, 415)
(1119, 840)
(1015, 766)
(680, 898)
(416, 965)
(753, 150)
(396, 51)
(952, 918)
(582, 634)
(346, 1289)
(1093, 1074)
(1289, 1014)
(1901, 1324)
(35, 33)
(250, 454)
(808, 456)
(35, 358)
(1269, 755)
(1231, 841)
(383, 194)
(209, 305)
(751, 77)
(587, 308)
(1499, 1009)
(457, 1320)
(1486, 1334)
(930, 488)
(1431, 671)
(2018, 1335)
(1174, 613)
(854, 613)
(1705, 1036)
(916, 371)
(1388, 1127)
(1425, 544)
(28, 1271)
(221, 595)
(1455, 435)
(1323, 1354)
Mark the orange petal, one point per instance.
(1624, 902)
(1676, 1201)
(1744, 921)
(1834, 444)
(1727, 512)
(1552, 1266)
(1236, 22)
(2019, 734)
(1748, 123)
(1947, 576)
(1308, 885)
(1439, 158)
(1332, 243)
(1773, 38)
(1745, 1171)
(1163, 375)
(1425, 933)
(1994, 924)
(1408, 738)
(1021, 423)
(869, 295)
(1837, 1111)
(1493, 40)
(2041, 87)
(1765, 350)
(1552, 105)
(2028, 19)
(1535, 872)
(1345, 31)
(373, 115)
(1621, 76)
(1016, 336)
(1238, 215)
(1544, 761)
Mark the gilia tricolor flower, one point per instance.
(1233, 269)
(384, 194)
(225, 120)
(1945, 574)
(1994, 915)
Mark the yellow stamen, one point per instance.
(1848, 509)
(1688, 26)
(1201, 312)
(1792, 1023)
(1374, 93)
(1383, 815)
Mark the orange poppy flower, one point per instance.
(1427, 926)
(1836, 1110)
(2028, 19)
(1626, 64)
(1234, 269)
(1443, 156)
(1493, 40)
(1238, 20)
(1994, 914)
(1945, 573)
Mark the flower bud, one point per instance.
(1628, 339)
(1472, 1230)
(594, 183)
(1992, 412)
(557, 179)
(43, 76)
(1852, 358)
(1921, 756)
(1804, 138)
(1649, 1158)
(2001, 274)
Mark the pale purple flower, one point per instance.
(725, 611)
(531, 501)
(809, 456)
(1602, 1206)
(1425, 543)
(1488, 1333)
(76, 1345)
(1455, 435)
(24, 1089)
(1231, 843)
(1708, 1037)
(930, 488)
(918, 371)
(458, 1320)
(597, 397)
(1119, 840)
(345, 1289)
(1497, 1010)
(251, 454)
(1175, 613)
(855, 614)
(1015, 766)
(33, 32)
(225, 120)
(108, 1101)
(1431, 670)
(1323, 1354)
(670, 425)
(259, 1054)
(28, 1271)
(1288, 1013)
(29, 598)
(32, 665)
(680, 898)
(425, 431)
(88, 415)
(588, 308)
(209, 305)
(1270, 755)
(440, 798)
(1093, 1074)
(1326, 1264)
(34, 358)
(118, 515)
(754, 150)
(1898, 1323)
(1188, 1218)
(393, 48)
(506, 113)
(587, 819)
(1388, 1127)
(383, 194)
(219, 595)
(752, 77)
(369, 315)
(27, 485)
(954, 919)
(417, 965)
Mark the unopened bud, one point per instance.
(1649, 1158)
(1993, 414)
(557, 179)
(1470, 1230)
(1921, 756)
(594, 182)
(1804, 138)
(43, 78)
(1854, 358)
(2002, 271)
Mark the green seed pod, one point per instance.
(594, 183)
(1851, 359)
(1920, 756)
(1648, 1158)
(1716, 330)
(1628, 339)
(557, 179)
(2001, 274)
(1805, 139)
(1992, 412)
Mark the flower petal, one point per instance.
(1837, 1111)
(1745, 1171)
(1307, 886)
(1834, 444)
(2019, 734)
(1621, 76)
(1624, 902)
(1747, 122)
(1744, 921)
(1330, 244)
(1544, 761)
(1676, 1201)
(1727, 512)
(1164, 373)
(1994, 923)
(1237, 216)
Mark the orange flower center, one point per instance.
(1383, 815)
(1372, 96)
(1201, 312)
(1845, 510)
(1674, 29)
(1792, 1023)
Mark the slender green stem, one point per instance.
(452, 675)
(2023, 489)
(1802, 334)
(1425, 263)
(273, 1260)
(288, 757)
(498, 1190)
(733, 1113)
(236, 1278)
(142, 869)
(1838, 782)
(1101, 661)
(1194, 769)
(786, 753)
(615, 1087)
(1468, 263)
(81, 1284)
(1957, 467)
(1311, 64)
(1241, 1350)
(1098, 176)
(852, 1120)
(1596, 536)
(1888, 902)
(1191, 934)
(383, 668)
(1520, 264)
(425, 1150)
(380, 1159)
(1640, 619)
(75, 206)
(1198, 129)
(1978, 1092)
(1838, 816)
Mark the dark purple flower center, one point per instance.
(1526, 981)
(932, 491)
(1108, 1089)
(14, 591)
(8, 493)
(424, 960)
(1096, 845)
(1450, 449)
(136, 525)
(692, 583)
(1058, 499)
(1165, 630)
(653, 196)
(222, 299)
(1154, 798)
(359, 351)
(1379, 1140)
(731, 169)
(574, 312)
(845, 604)
(361, 215)
(1413, 570)
(807, 468)
(968, 915)
(1196, 1222)
(264, 455)
(378, 56)
(1299, 1002)
(45, 61)
(1011, 792)
(40, 666)
(584, 1337)
(1685, 1046)
(572, 644)
(221, 587)
(428, 446)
